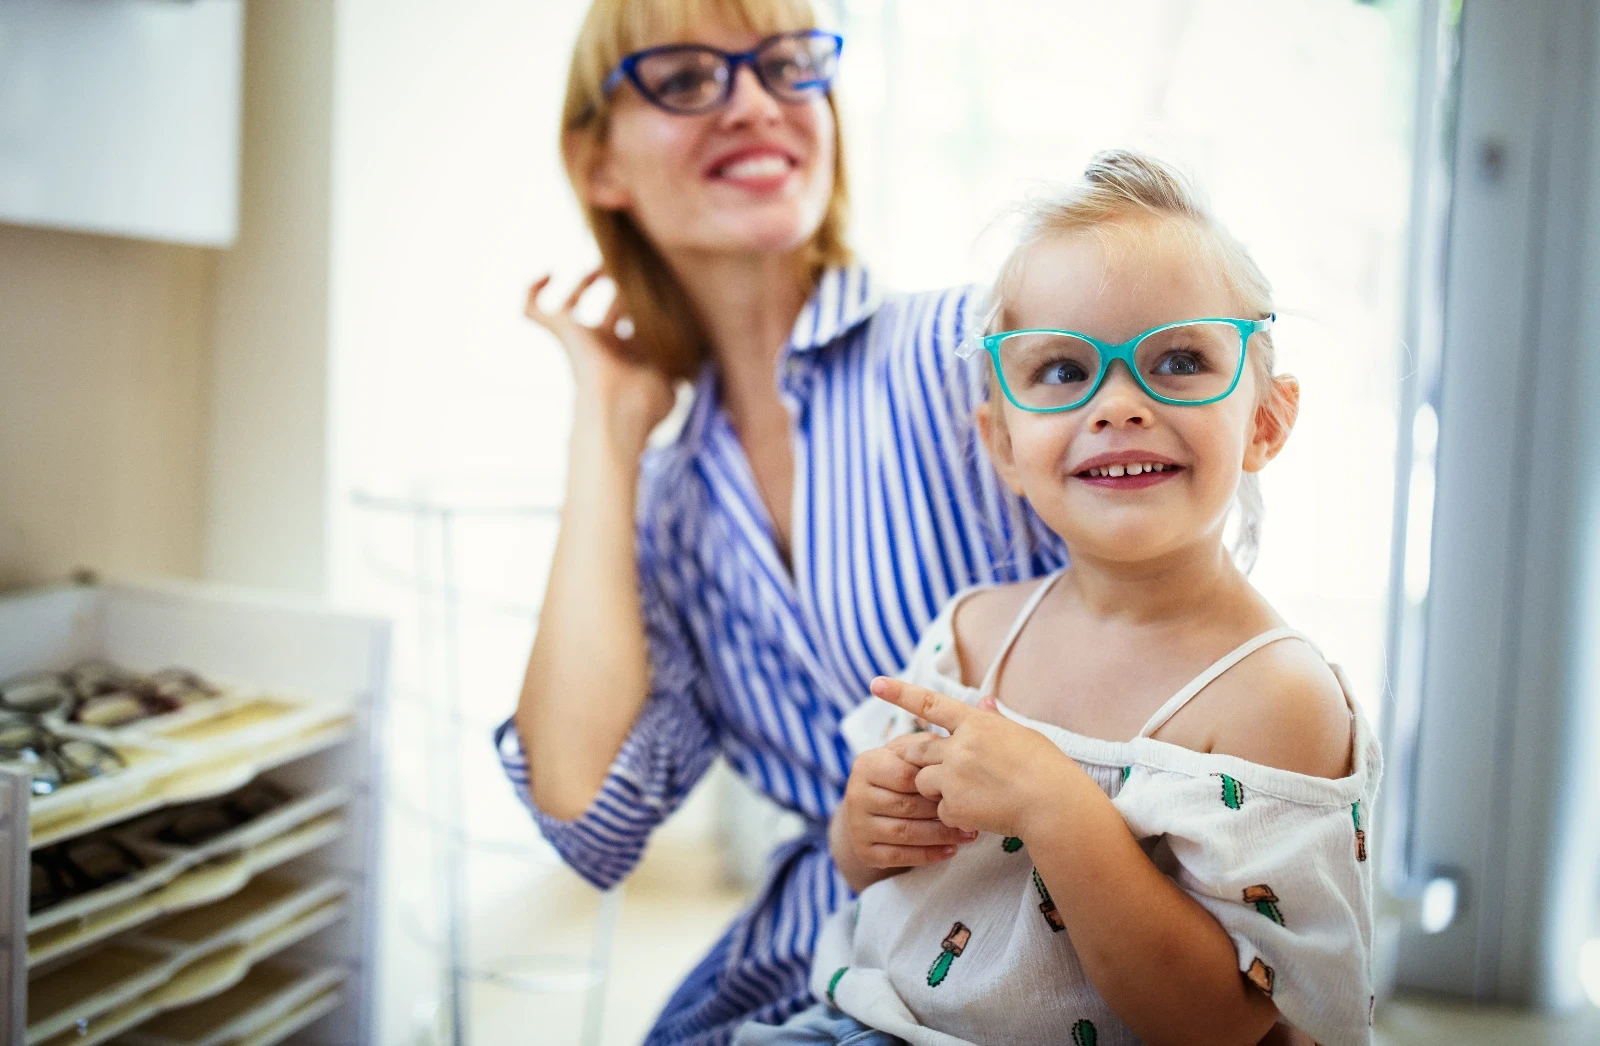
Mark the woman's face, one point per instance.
(753, 176)
(1114, 289)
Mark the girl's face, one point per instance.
(1143, 274)
(753, 176)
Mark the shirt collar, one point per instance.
(846, 297)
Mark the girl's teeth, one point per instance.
(1135, 469)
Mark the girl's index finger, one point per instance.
(934, 707)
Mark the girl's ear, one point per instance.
(1274, 420)
(997, 437)
(597, 172)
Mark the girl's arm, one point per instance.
(589, 672)
(1158, 958)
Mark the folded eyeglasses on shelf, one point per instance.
(78, 866)
(94, 693)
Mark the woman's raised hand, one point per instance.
(614, 383)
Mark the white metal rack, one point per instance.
(264, 934)
(437, 530)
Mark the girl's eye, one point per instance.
(1061, 372)
(1180, 364)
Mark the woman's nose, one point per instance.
(750, 102)
(1119, 402)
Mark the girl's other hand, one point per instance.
(884, 825)
(614, 384)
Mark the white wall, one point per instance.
(266, 513)
(103, 405)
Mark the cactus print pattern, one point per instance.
(1261, 976)
(1047, 905)
(1083, 1034)
(954, 943)
(1361, 837)
(1265, 900)
(1232, 792)
(833, 982)
(1012, 844)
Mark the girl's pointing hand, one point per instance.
(990, 774)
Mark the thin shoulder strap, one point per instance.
(1206, 678)
(1028, 607)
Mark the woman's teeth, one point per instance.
(1114, 471)
(757, 167)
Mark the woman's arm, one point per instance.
(589, 673)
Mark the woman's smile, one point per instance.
(757, 169)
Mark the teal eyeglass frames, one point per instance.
(1187, 364)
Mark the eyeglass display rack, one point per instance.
(259, 930)
(436, 528)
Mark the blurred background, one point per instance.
(262, 265)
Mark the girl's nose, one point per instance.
(750, 103)
(1119, 401)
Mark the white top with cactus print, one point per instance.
(970, 950)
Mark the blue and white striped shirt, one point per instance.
(895, 509)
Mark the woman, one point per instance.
(733, 592)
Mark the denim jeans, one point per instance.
(821, 1025)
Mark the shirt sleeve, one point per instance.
(1015, 541)
(1285, 876)
(669, 748)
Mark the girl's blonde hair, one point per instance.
(1123, 186)
(666, 330)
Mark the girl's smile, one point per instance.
(1126, 470)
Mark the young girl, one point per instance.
(1168, 789)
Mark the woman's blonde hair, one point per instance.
(666, 329)
(1123, 186)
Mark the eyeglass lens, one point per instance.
(691, 78)
(1188, 363)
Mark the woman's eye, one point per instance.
(1061, 372)
(689, 81)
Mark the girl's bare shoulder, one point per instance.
(980, 624)
(1282, 706)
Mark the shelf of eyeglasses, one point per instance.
(240, 736)
(173, 881)
(270, 1004)
(183, 960)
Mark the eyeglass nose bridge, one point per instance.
(745, 59)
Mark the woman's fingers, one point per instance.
(578, 291)
(614, 315)
(533, 311)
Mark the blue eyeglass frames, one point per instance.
(1188, 364)
(694, 78)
